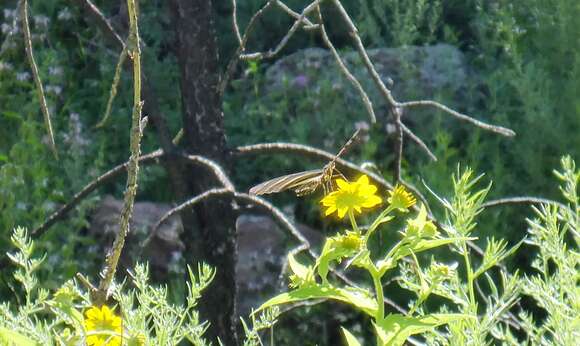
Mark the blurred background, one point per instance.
(511, 63)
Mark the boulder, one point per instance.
(411, 72)
(163, 251)
(262, 246)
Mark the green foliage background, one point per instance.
(525, 54)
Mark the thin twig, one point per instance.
(419, 142)
(363, 95)
(397, 114)
(114, 86)
(240, 197)
(150, 158)
(214, 167)
(295, 14)
(278, 216)
(297, 23)
(36, 75)
(134, 51)
(90, 187)
(388, 96)
(225, 79)
(102, 21)
(493, 128)
(305, 150)
(521, 200)
(235, 21)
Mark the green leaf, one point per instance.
(396, 328)
(11, 338)
(298, 268)
(359, 298)
(11, 115)
(334, 250)
(350, 339)
(426, 244)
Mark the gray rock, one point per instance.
(411, 72)
(262, 246)
(261, 255)
(163, 251)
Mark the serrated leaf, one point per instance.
(349, 338)
(396, 328)
(358, 298)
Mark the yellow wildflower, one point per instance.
(137, 340)
(351, 196)
(102, 320)
(400, 198)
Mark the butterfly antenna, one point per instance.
(353, 139)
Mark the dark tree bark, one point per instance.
(213, 238)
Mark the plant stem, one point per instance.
(134, 52)
(353, 221)
(469, 276)
(380, 297)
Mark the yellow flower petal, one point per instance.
(363, 180)
(342, 184)
(100, 323)
(351, 197)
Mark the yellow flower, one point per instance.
(351, 196)
(102, 320)
(137, 340)
(400, 198)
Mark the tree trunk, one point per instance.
(212, 239)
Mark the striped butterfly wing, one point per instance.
(302, 183)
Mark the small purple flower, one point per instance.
(301, 81)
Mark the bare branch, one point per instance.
(493, 128)
(387, 93)
(305, 150)
(225, 79)
(419, 142)
(150, 158)
(294, 14)
(522, 200)
(114, 86)
(187, 205)
(299, 21)
(278, 215)
(363, 54)
(90, 187)
(112, 260)
(363, 95)
(235, 22)
(397, 115)
(101, 21)
(36, 75)
(216, 169)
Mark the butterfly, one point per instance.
(307, 182)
